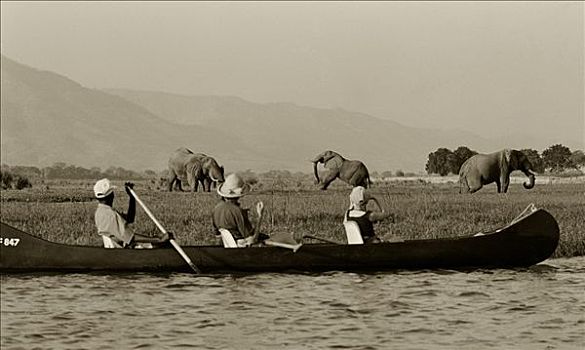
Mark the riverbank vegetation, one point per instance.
(62, 211)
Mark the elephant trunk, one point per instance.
(316, 173)
(531, 179)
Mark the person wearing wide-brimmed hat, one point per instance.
(358, 201)
(229, 215)
(112, 225)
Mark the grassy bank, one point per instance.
(65, 213)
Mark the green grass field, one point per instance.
(63, 212)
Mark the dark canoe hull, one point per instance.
(526, 242)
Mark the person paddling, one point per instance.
(358, 201)
(228, 214)
(113, 226)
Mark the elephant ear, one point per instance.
(193, 167)
(334, 162)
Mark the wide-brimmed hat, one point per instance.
(358, 196)
(103, 188)
(233, 187)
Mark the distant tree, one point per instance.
(387, 173)
(535, 159)
(399, 173)
(578, 158)
(250, 177)
(557, 158)
(150, 173)
(21, 182)
(462, 153)
(441, 162)
(59, 165)
(6, 178)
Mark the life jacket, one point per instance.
(365, 225)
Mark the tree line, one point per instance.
(555, 159)
(63, 170)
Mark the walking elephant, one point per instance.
(212, 173)
(352, 172)
(184, 167)
(483, 169)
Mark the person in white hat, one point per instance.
(112, 225)
(229, 215)
(358, 201)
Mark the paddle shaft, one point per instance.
(321, 239)
(162, 229)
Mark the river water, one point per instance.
(542, 307)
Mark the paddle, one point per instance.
(321, 239)
(284, 240)
(162, 229)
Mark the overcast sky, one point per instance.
(493, 68)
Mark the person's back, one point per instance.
(232, 217)
(362, 219)
(112, 227)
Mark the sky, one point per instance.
(492, 68)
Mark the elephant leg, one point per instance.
(505, 184)
(499, 185)
(463, 185)
(332, 175)
(172, 179)
(207, 185)
(358, 180)
(472, 185)
(193, 182)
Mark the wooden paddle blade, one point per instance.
(293, 247)
(283, 240)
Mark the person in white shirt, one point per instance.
(112, 225)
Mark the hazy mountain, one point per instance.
(48, 118)
(297, 133)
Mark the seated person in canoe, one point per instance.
(228, 213)
(113, 226)
(365, 219)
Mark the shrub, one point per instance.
(9, 180)
(21, 182)
(6, 178)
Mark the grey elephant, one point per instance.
(212, 172)
(184, 167)
(353, 172)
(483, 169)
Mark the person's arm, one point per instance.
(243, 224)
(378, 216)
(131, 214)
(256, 230)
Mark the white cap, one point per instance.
(103, 188)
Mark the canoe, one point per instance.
(523, 243)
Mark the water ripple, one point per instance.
(538, 307)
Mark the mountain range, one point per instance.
(48, 118)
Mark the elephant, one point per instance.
(353, 172)
(184, 166)
(212, 172)
(483, 169)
